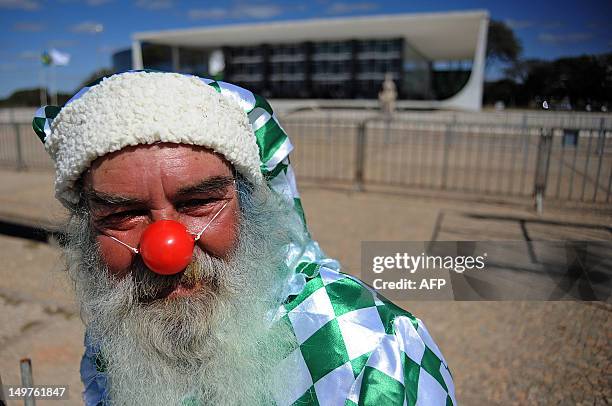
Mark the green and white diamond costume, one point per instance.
(355, 347)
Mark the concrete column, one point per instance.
(136, 55)
(470, 97)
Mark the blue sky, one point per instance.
(546, 29)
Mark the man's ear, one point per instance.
(81, 185)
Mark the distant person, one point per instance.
(197, 280)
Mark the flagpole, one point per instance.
(43, 79)
(46, 82)
(45, 85)
(41, 84)
(54, 85)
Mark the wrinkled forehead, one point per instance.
(169, 166)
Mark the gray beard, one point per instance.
(217, 346)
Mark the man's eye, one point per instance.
(122, 216)
(194, 204)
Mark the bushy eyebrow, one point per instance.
(111, 200)
(210, 185)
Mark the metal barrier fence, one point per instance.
(513, 160)
(563, 164)
(20, 148)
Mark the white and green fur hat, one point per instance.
(144, 107)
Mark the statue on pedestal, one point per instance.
(387, 96)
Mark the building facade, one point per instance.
(436, 60)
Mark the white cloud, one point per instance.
(345, 8)
(519, 24)
(91, 3)
(241, 10)
(155, 4)
(28, 27)
(552, 25)
(88, 27)
(29, 5)
(258, 11)
(560, 39)
(208, 14)
(95, 3)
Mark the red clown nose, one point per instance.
(166, 247)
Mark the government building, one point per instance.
(436, 59)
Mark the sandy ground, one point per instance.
(499, 352)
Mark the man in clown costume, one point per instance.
(197, 279)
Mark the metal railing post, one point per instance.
(542, 166)
(360, 146)
(601, 145)
(18, 149)
(26, 380)
(448, 139)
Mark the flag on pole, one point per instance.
(55, 57)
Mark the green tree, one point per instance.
(29, 97)
(502, 45)
(582, 80)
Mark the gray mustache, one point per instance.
(149, 286)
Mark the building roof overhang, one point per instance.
(435, 36)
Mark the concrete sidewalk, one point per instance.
(499, 352)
